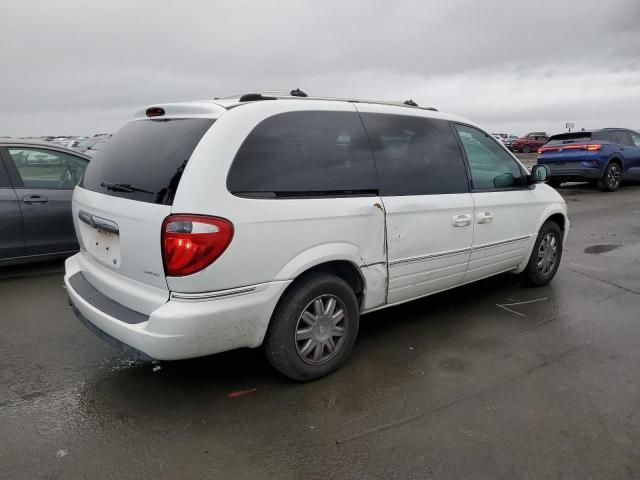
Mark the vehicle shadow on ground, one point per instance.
(165, 388)
(31, 269)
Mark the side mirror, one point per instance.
(540, 173)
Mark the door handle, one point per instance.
(485, 217)
(461, 220)
(35, 199)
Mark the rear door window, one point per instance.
(144, 160)
(309, 153)
(415, 155)
(47, 169)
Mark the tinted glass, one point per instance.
(491, 166)
(567, 138)
(305, 153)
(624, 138)
(635, 138)
(145, 160)
(415, 155)
(603, 136)
(4, 176)
(48, 169)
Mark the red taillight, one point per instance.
(192, 242)
(591, 147)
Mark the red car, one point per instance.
(530, 142)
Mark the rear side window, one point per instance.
(310, 153)
(144, 160)
(415, 155)
(603, 136)
(624, 138)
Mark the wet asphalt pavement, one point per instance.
(492, 380)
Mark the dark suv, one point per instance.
(530, 142)
(605, 157)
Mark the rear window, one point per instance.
(566, 138)
(309, 153)
(144, 160)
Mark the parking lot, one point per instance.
(492, 380)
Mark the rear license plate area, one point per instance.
(103, 246)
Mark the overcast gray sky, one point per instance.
(78, 67)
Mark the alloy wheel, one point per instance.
(613, 176)
(321, 329)
(547, 254)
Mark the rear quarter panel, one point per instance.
(273, 239)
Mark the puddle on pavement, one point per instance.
(625, 251)
(601, 248)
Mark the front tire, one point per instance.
(313, 327)
(612, 178)
(526, 149)
(545, 257)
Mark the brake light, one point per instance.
(191, 243)
(591, 147)
(155, 112)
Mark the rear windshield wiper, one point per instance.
(124, 187)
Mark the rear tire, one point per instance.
(545, 257)
(313, 327)
(526, 149)
(612, 178)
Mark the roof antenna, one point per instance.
(297, 93)
(411, 103)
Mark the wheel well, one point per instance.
(559, 219)
(344, 269)
(616, 160)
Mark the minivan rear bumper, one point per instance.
(180, 328)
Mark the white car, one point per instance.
(278, 221)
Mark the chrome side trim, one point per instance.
(504, 242)
(452, 253)
(429, 257)
(195, 297)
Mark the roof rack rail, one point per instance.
(297, 93)
(252, 97)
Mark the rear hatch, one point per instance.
(125, 195)
(566, 148)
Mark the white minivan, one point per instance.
(277, 221)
